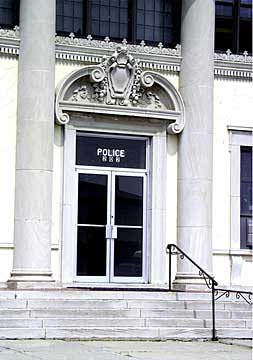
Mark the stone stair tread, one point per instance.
(83, 314)
(105, 304)
(121, 333)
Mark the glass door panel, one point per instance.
(128, 200)
(128, 253)
(91, 251)
(92, 199)
(128, 217)
(92, 217)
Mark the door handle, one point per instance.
(108, 231)
(114, 232)
(111, 231)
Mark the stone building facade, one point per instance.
(111, 150)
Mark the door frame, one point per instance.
(157, 215)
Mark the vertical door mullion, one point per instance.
(108, 247)
(112, 223)
(76, 226)
(144, 228)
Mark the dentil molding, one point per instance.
(157, 57)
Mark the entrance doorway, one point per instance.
(111, 209)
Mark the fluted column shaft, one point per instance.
(196, 141)
(34, 149)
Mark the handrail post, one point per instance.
(214, 337)
(169, 267)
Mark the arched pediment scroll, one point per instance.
(118, 86)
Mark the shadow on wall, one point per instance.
(58, 135)
(172, 144)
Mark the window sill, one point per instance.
(233, 252)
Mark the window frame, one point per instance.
(245, 214)
(239, 137)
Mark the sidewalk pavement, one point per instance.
(125, 350)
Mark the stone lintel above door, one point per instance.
(118, 86)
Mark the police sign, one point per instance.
(92, 150)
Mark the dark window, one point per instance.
(69, 16)
(233, 25)
(150, 20)
(246, 197)
(9, 13)
(154, 21)
(135, 20)
(108, 18)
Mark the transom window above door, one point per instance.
(108, 151)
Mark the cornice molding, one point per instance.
(158, 58)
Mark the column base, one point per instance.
(30, 279)
(189, 282)
(32, 285)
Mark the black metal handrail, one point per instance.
(211, 283)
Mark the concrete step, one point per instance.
(12, 304)
(241, 314)
(101, 304)
(93, 322)
(194, 296)
(235, 333)
(169, 322)
(151, 313)
(121, 322)
(77, 304)
(120, 304)
(69, 313)
(118, 333)
(223, 314)
(68, 309)
(230, 323)
(206, 305)
(127, 333)
(237, 306)
(83, 314)
(13, 313)
(22, 333)
(88, 295)
(21, 323)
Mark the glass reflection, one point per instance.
(92, 199)
(128, 200)
(91, 251)
(128, 253)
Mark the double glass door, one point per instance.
(111, 226)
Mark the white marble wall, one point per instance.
(232, 106)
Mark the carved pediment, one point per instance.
(119, 86)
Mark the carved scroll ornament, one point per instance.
(119, 83)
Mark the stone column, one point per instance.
(34, 150)
(196, 141)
